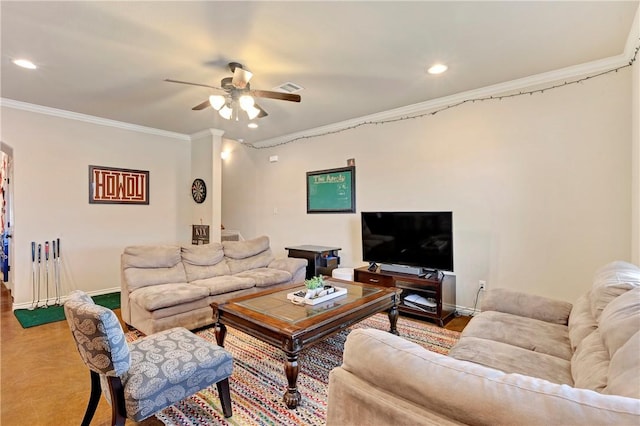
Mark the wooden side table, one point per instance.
(321, 260)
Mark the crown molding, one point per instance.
(573, 72)
(70, 115)
(206, 133)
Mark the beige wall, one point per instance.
(239, 183)
(51, 158)
(539, 186)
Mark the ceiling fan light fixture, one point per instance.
(239, 97)
(241, 77)
(246, 102)
(252, 112)
(217, 101)
(226, 112)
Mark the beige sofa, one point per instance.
(168, 286)
(524, 360)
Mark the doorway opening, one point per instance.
(6, 214)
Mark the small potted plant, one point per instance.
(314, 286)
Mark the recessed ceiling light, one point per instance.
(25, 63)
(252, 125)
(437, 69)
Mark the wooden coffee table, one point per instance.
(270, 317)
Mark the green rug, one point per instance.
(55, 313)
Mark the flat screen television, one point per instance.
(419, 239)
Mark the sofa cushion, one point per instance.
(260, 260)
(244, 249)
(513, 359)
(142, 277)
(245, 255)
(611, 281)
(150, 265)
(590, 363)
(548, 338)
(186, 311)
(165, 295)
(224, 284)
(624, 370)
(202, 255)
(526, 305)
(264, 277)
(581, 321)
(620, 320)
(204, 261)
(151, 256)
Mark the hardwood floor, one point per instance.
(43, 380)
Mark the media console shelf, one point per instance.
(429, 297)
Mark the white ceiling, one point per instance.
(109, 59)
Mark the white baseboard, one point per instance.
(463, 310)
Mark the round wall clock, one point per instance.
(198, 190)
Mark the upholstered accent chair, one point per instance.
(148, 374)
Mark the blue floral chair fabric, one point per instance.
(149, 374)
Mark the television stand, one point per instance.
(431, 297)
(430, 273)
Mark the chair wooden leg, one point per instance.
(93, 399)
(225, 397)
(118, 409)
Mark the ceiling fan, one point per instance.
(238, 96)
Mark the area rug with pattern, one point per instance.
(258, 380)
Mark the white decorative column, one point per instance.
(206, 164)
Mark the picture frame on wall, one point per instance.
(331, 190)
(111, 185)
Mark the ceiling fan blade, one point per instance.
(241, 77)
(275, 95)
(262, 113)
(192, 84)
(202, 105)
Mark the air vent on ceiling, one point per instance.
(289, 87)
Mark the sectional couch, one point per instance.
(166, 286)
(524, 359)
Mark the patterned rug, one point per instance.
(258, 380)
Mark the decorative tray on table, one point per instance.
(315, 296)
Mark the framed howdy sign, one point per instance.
(109, 185)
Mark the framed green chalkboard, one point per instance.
(332, 191)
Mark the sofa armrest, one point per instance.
(295, 266)
(526, 305)
(483, 395)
